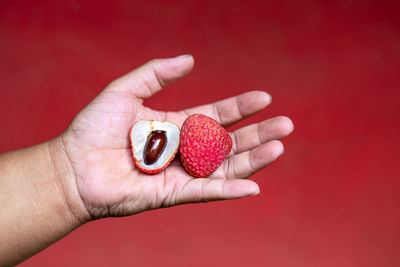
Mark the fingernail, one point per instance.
(269, 98)
(178, 60)
(255, 190)
(255, 193)
(183, 56)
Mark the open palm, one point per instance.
(98, 147)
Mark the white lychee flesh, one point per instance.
(139, 134)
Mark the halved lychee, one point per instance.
(154, 144)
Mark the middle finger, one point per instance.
(253, 135)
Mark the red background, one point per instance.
(332, 66)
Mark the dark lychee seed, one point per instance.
(155, 144)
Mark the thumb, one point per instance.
(148, 79)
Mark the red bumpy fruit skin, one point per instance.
(204, 145)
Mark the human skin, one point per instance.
(87, 172)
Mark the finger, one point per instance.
(152, 76)
(256, 134)
(234, 109)
(247, 163)
(204, 190)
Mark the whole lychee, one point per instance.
(204, 145)
(154, 145)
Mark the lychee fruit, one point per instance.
(204, 145)
(154, 144)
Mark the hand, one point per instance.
(98, 151)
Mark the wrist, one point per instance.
(66, 181)
(40, 203)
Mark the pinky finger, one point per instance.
(205, 190)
